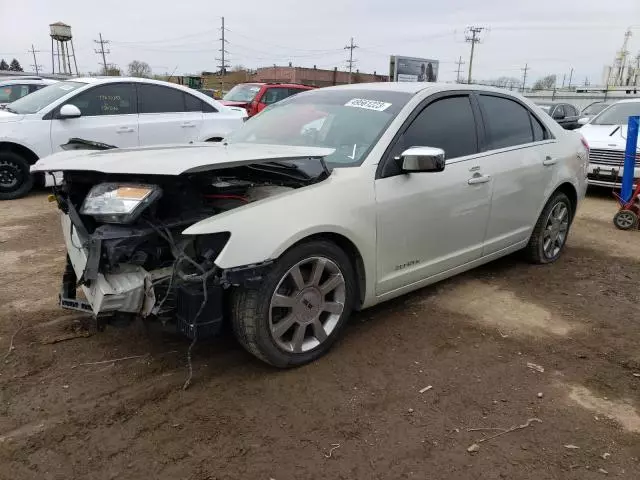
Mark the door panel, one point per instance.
(430, 222)
(164, 117)
(108, 116)
(517, 143)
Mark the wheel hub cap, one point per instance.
(554, 234)
(307, 304)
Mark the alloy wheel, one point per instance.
(307, 304)
(555, 231)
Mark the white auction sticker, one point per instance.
(368, 104)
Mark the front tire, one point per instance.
(552, 228)
(296, 314)
(15, 179)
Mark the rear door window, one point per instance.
(159, 99)
(193, 104)
(507, 122)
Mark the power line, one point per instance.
(524, 76)
(472, 36)
(35, 64)
(460, 62)
(103, 52)
(351, 47)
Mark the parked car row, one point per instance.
(329, 201)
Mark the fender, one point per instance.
(343, 204)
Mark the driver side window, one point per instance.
(447, 123)
(109, 99)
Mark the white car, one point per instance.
(606, 134)
(332, 200)
(14, 88)
(118, 111)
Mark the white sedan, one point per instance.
(329, 201)
(118, 111)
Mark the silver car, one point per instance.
(330, 201)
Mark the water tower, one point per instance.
(63, 51)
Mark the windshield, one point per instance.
(350, 121)
(617, 114)
(546, 108)
(594, 109)
(38, 100)
(242, 93)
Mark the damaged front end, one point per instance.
(127, 254)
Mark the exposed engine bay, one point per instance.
(127, 252)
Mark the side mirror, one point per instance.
(423, 159)
(69, 111)
(583, 120)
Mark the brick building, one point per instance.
(290, 74)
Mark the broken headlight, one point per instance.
(119, 202)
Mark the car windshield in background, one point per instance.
(350, 121)
(546, 108)
(594, 109)
(38, 100)
(617, 114)
(242, 93)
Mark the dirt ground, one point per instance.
(480, 341)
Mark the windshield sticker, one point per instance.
(368, 104)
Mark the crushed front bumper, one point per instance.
(129, 290)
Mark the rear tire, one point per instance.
(551, 231)
(289, 320)
(15, 179)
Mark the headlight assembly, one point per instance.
(119, 202)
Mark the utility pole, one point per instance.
(223, 60)
(570, 77)
(35, 61)
(103, 52)
(459, 63)
(351, 61)
(564, 77)
(472, 35)
(524, 76)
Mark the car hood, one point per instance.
(6, 116)
(173, 159)
(605, 136)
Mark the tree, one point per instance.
(111, 71)
(139, 69)
(545, 83)
(4, 65)
(238, 68)
(15, 66)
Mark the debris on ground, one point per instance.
(572, 447)
(536, 367)
(605, 455)
(334, 446)
(603, 471)
(425, 389)
(503, 431)
(473, 448)
(540, 394)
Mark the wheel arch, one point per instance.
(570, 191)
(28, 154)
(352, 252)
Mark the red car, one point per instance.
(254, 97)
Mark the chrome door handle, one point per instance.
(124, 130)
(188, 125)
(548, 161)
(476, 179)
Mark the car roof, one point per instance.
(26, 80)
(416, 87)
